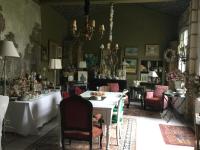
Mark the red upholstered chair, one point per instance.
(78, 90)
(65, 94)
(114, 87)
(78, 125)
(155, 98)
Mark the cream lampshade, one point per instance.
(82, 64)
(55, 64)
(7, 49)
(153, 75)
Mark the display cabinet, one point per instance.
(148, 65)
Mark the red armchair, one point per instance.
(155, 98)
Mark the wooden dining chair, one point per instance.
(76, 121)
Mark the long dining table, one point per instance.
(105, 108)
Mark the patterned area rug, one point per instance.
(177, 135)
(127, 142)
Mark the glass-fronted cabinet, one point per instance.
(152, 69)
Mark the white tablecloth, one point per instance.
(25, 117)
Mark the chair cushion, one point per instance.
(149, 94)
(159, 90)
(114, 87)
(96, 131)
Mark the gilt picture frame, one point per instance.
(131, 67)
(131, 51)
(152, 50)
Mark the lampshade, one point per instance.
(7, 48)
(124, 63)
(152, 74)
(82, 64)
(55, 64)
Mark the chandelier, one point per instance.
(109, 62)
(89, 28)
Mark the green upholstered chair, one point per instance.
(117, 117)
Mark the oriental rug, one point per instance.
(127, 142)
(177, 135)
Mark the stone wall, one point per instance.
(23, 26)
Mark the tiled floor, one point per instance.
(148, 134)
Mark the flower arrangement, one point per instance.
(176, 75)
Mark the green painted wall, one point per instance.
(54, 28)
(134, 26)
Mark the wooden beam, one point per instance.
(78, 2)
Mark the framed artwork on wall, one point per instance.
(131, 51)
(152, 50)
(144, 77)
(55, 50)
(83, 76)
(131, 65)
(44, 54)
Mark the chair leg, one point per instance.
(90, 144)
(117, 134)
(100, 141)
(63, 144)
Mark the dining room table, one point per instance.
(104, 106)
(26, 117)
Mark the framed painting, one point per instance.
(131, 51)
(83, 76)
(55, 50)
(144, 77)
(131, 65)
(44, 54)
(152, 50)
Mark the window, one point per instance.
(182, 50)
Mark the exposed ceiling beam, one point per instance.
(76, 2)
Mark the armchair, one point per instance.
(155, 98)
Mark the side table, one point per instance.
(172, 98)
(137, 94)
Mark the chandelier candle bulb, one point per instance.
(102, 46)
(93, 23)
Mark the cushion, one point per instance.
(159, 90)
(149, 94)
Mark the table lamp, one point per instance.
(7, 49)
(55, 64)
(153, 75)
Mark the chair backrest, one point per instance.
(104, 88)
(159, 90)
(78, 90)
(76, 114)
(114, 87)
(4, 100)
(120, 109)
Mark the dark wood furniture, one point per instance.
(94, 83)
(76, 121)
(137, 94)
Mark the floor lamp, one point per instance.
(7, 49)
(55, 64)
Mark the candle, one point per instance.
(93, 23)
(102, 27)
